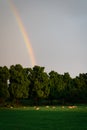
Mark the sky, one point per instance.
(57, 30)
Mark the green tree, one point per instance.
(81, 85)
(19, 83)
(56, 86)
(67, 86)
(39, 81)
(4, 76)
(53, 76)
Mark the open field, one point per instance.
(44, 118)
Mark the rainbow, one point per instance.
(23, 32)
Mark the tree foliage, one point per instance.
(4, 76)
(38, 82)
(35, 83)
(19, 83)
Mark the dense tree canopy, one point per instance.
(35, 83)
(4, 76)
(19, 83)
(38, 82)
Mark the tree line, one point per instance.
(35, 84)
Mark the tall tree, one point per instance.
(56, 85)
(81, 84)
(38, 83)
(19, 83)
(4, 76)
(67, 86)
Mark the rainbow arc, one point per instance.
(23, 32)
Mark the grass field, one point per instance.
(44, 118)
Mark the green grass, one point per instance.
(44, 119)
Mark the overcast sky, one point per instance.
(57, 30)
